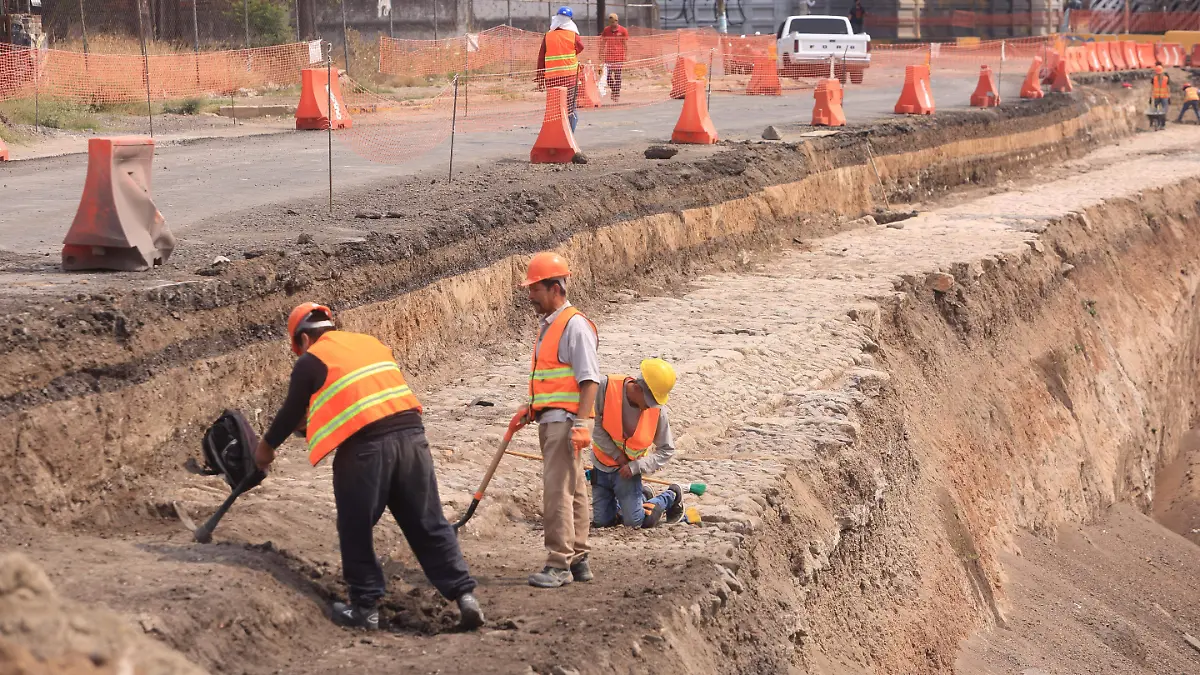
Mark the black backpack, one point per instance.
(229, 450)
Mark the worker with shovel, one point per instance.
(631, 415)
(347, 394)
(562, 393)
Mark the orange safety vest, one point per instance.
(612, 421)
(551, 382)
(1191, 94)
(561, 60)
(364, 385)
(1160, 87)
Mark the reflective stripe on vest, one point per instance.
(560, 53)
(551, 382)
(1160, 87)
(364, 385)
(613, 421)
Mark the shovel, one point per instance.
(514, 426)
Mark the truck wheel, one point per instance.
(856, 75)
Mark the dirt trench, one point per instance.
(861, 495)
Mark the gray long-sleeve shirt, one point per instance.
(664, 442)
(577, 348)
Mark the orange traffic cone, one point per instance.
(1032, 87)
(1062, 81)
(317, 95)
(694, 125)
(1052, 59)
(589, 89)
(916, 98)
(3, 151)
(764, 79)
(117, 226)
(986, 95)
(827, 104)
(682, 76)
(555, 143)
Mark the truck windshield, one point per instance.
(818, 26)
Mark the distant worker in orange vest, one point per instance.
(1160, 96)
(347, 394)
(558, 59)
(613, 41)
(562, 397)
(631, 416)
(1191, 101)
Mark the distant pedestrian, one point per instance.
(613, 42)
(858, 15)
(558, 60)
(1191, 101)
(1160, 96)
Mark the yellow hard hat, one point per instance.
(660, 377)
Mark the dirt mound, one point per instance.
(41, 632)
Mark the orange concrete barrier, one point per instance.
(555, 143)
(117, 226)
(694, 125)
(681, 77)
(3, 151)
(1146, 54)
(1131, 54)
(827, 106)
(1116, 52)
(1195, 59)
(589, 89)
(1177, 54)
(1062, 81)
(1032, 87)
(916, 98)
(986, 94)
(315, 100)
(1093, 61)
(764, 79)
(1106, 63)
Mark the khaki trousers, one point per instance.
(565, 513)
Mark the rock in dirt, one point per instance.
(636, 649)
(940, 282)
(579, 158)
(55, 635)
(889, 217)
(304, 238)
(369, 215)
(771, 134)
(661, 152)
(1065, 268)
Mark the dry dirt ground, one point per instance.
(853, 522)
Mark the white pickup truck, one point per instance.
(806, 44)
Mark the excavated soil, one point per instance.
(887, 415)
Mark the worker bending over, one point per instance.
(1160, 95)
(562, 394)
(631, 415)
(347, 394)
(1191, 101)
(558, 59)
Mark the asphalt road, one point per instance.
(206, 178)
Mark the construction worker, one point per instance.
(1160, 96)
(562, 398)
(858, 16)
(631, 415)
(613, 41)
(347, 394)
(1191, 101)
(558, 59)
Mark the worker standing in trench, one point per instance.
(558, 59)
(347, 394)
(563, 382)
(1160, 96)
(631, 415)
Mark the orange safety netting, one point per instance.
(119, 78)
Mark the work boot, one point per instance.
(580, 570)
(675, 512)
(353, 616)
(470, 615)
(654, 514)
(550, 577)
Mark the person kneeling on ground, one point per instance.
(347, 394)
(1191, 101)
(630, 417)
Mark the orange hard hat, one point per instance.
(301, 319)
(545, 265)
